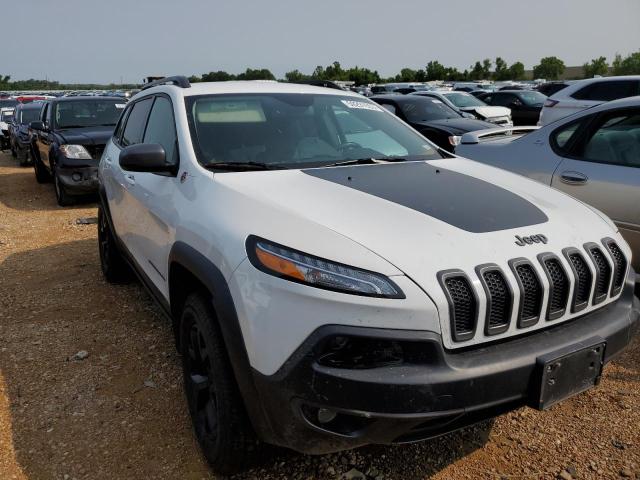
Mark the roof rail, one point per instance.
(178, 80)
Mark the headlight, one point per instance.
(454, 140)
(302, 268)
(75, 151)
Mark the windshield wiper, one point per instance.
(239, 166)
(366, 161)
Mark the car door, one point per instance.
(118, 182)
(152, 198)
(602, 168)
(42, 137)
(111, 176)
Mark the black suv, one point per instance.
(20, 133)
(68, 141)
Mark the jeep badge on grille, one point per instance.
(522, 241)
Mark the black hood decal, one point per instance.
(457, 199)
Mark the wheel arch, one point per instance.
(190, 271)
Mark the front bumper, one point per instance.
(78, 180)
(442, 392)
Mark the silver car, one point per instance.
(593, 155)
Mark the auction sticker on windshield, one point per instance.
(362, 105)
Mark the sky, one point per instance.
(77, 41)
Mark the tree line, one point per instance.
(549, 68)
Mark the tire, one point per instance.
(42, 176)
(24, 158)
(220, 421)
(114, 267)
(62, 197)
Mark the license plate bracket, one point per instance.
(567, 372)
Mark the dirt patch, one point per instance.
(90, 383)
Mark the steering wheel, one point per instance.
(349, 146)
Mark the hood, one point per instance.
(423, 217)
(86, 135)
(457, 126)
(489, 111)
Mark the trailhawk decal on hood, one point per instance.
(457, 199)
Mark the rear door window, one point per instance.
(616, 140)
(607, 91)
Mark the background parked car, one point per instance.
(20, 133)
(525, 105)
(6, 117)
(465, 102)
(432, 118)
(549, 88)
(593, 155)
(586, 94)
(68, 141)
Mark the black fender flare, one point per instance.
(214, 281)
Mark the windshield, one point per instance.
(88, 113)
(532, 98)
(8, 103)
(298, 130)
(29, 115)
(424, 109)
(462, 100)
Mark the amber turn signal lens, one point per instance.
(279, 264)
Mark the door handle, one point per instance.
(131, 180)
(573, 178)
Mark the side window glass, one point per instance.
(120, 127)
(607, 91)
(562, 136)
(136, 122)
(390, 107)
(43, 117)
(616, 141)
(161, 128)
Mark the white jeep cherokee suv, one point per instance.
(333, 279)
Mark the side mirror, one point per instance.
(146, 157)
(37, 125)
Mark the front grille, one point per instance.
(499, 299)
(95, 151)
(593, 273)
(558, 285)
(620, 263)
(530, 293)
(463, 305)
(603, 274)
(583, 280)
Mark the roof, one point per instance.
(85, 98)
(248, 86)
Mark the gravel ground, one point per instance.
(90, 384)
